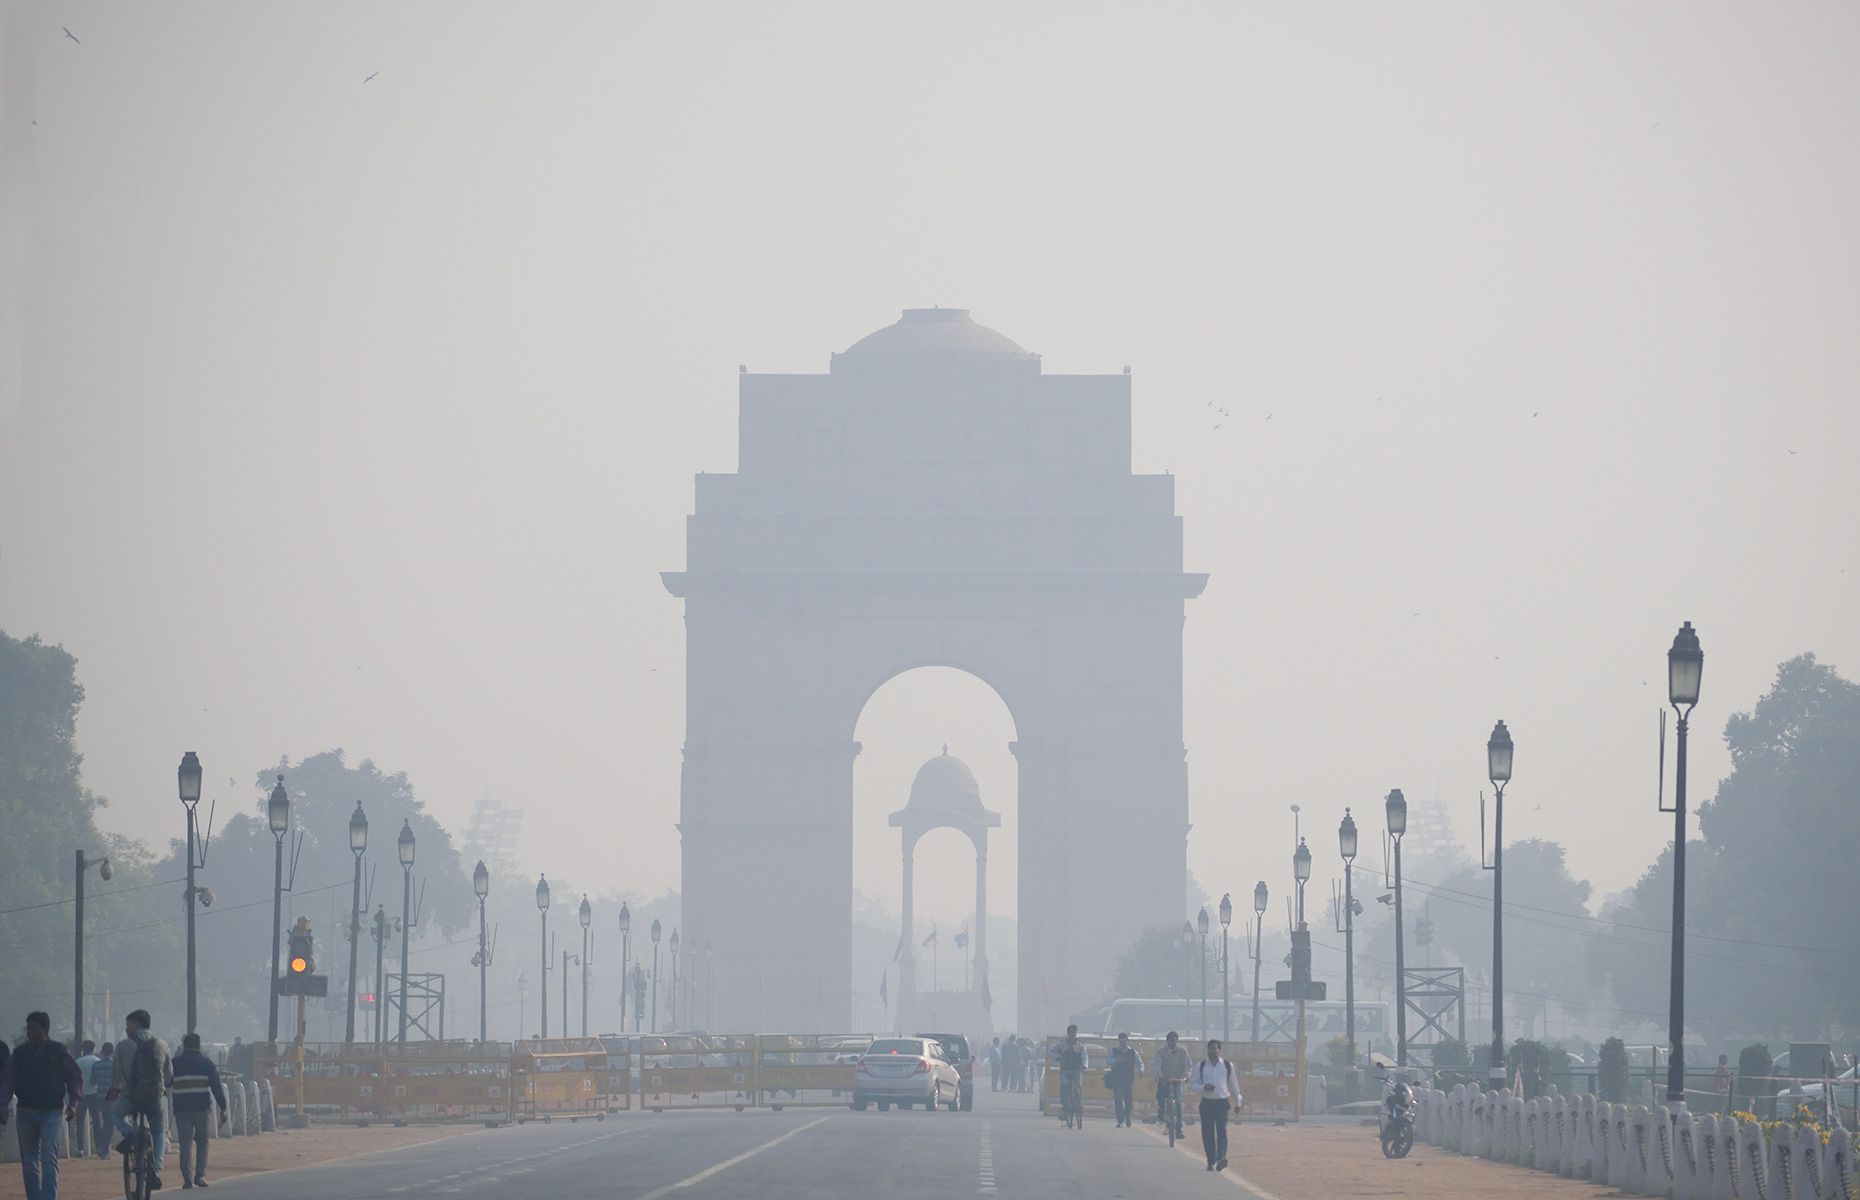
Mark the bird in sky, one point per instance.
(371, 77)
(1792, 452)
(1217, 427)
(1269, 416)
(72, 36)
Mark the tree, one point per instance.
(1156, 965)
(47, 814)
(235, 933)
(1769, 938)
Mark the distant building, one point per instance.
(932, 500)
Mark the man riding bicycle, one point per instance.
(141, 1079)
(1172, 1068)
(1073, 1058)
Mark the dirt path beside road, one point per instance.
(229, 1158)
(1333, 1162)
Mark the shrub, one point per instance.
(1753, 1065)
(1612, 1071)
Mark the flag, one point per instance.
(884, 997)
(962, 939)
(931, 940)
(899, 952)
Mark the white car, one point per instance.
(905, 1071)
(1812, 1089)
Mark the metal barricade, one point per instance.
(1095, 1095)
(697, 1071)
(622, 1071)
(1269, 1079)
(415, 1082)
(807, 1070)
(560, 1077)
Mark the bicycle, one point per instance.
(1169, 1107)
(138, 1159)
(1072, 1099)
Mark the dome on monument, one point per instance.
(933, 336)
(945, 783)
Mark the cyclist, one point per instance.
(1073, 1058)
(142, 1077)
(1171, 1072)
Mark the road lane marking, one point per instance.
(988, 1159)
(1197, 1155)
(726, 1164)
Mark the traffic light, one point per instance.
(300, 977)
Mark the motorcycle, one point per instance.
(1397, 1124)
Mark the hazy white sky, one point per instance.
(355, 363)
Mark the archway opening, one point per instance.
(905, 723)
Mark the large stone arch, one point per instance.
(934, 500)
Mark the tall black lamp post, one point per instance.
(406, 914)
(1201, 933)
(1346, 847)
(1184, 938)
(278, 818)
(1498, 770)
(1227, 918)
(655, 975)
(77, 1007)
(1685, 662)
(626, 947)
(358, 844)
(383, 929)
(674, 996)
(1259, 942)
(1396, 807)
(586, 914)
(481, 887)
(189, 778)
(542, 906)
(710, 986)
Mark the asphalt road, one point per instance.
(1003, 1148)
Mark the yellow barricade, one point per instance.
(807, 1071)
(424, 1082)
(560, 1077)
(697, 1071)
(1268, 1079)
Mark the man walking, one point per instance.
(1010, 1065)
(138, 1083)
(196, 1089)
(1219, 1088)
(45, 1078)
(81, 1139)
(1126, 1064)
(994, 1065)
(97, 1097)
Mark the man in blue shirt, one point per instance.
(196, 1089)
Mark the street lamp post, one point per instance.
(1498, 769)
(481, 887)
(1685, 663)
(1396, 807)
(278, 817)
(358, 843)
(655, 975)
(189, 779)
(673, 997)
(542, 906)
(77, 1007)
(567, 958)
(1185, 941)
(587, 915)
(1259, 941)
(1346, 847)
(710, 985)
(1227, 918)
(383, 928)
(1201, 932)
(626, 946)
(406, 914)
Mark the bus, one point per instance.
(1278, 1020)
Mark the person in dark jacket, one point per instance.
(97, 1098)
(45, 1078)
(196, 1089)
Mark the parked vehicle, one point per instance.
(956, 1050)
(905, 1071)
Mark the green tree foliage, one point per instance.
(1157, 965)
(1537, 1064)
(1612, 1071)
(235, 933)
(48, 815)
(1451, 1052)
(1769, 948)
(1754, 1067)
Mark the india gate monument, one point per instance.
(933, 499)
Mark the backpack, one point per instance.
(143, 1083)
